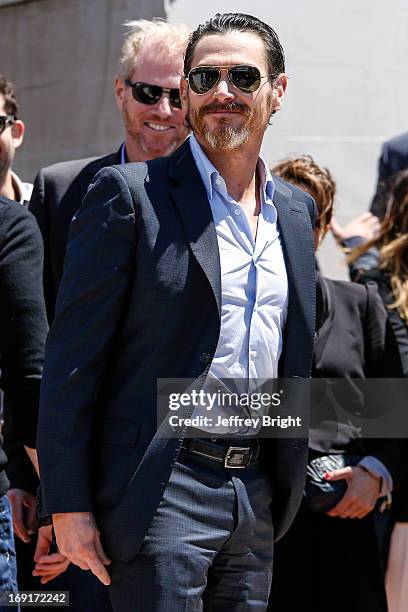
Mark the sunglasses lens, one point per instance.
(175, 98)
(201, 80)
(146, 94)
(246, 78)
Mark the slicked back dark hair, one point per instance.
(239, 22)
(7, 91)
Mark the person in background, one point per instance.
(339, 547)
(23, 329)
(393, 159)
(20, 471)
(148, 98)
(390, 273)
(11, 138)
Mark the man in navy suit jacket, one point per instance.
(198, 266)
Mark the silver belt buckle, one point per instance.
(237, 457)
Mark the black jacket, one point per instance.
(399, 508)
(354, 342)
(23, 323)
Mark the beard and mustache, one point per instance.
(226, 136)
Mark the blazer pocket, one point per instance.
(123, 432)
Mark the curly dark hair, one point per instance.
(7, 91)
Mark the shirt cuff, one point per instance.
(377, 468)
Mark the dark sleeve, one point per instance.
(20, 470)
(383, 361)
(366, 261)
(384, 173)
(98, 269)
(23, 321)
(39, 208)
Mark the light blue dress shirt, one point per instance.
(254, 282)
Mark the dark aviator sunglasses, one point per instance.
(246, 78)
(151, 94)
(5, 121)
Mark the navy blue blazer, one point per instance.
(57, 194)
(139, 300)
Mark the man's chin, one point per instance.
(154, 150)
(225, 139)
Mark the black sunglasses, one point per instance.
(5, 121)
(203, 78)
(151, 94)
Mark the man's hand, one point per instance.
(366, 225)
(363, 490)
(47, 566)
(78, 539)
(23, 502)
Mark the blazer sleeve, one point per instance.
(383, 361)
(23, 322)
(93, 293)
(39, 207)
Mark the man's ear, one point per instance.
(184, 93)
(279, 89)
(17, 132)
(119, 91)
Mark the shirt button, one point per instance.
(253, 355)
(237, 211)
(218, 180)
(205, 357)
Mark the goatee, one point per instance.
(225, 136)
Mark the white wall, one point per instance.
(348, 66)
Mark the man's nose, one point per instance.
(163, 107)
(222, 90)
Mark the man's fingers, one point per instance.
(43, 544)
(20, 529)
(98, 569)
(56, 557)
(44, 569)
(342, 474)
(80, 563)
(100, 552)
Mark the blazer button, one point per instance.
(205, 357)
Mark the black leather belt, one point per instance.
(234, 457)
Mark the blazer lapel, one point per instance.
(190, 198)
(297, 242)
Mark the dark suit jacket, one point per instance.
(355, 341)
(394, 157)
(140, 299)
(57, 194)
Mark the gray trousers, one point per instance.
(208, 548)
